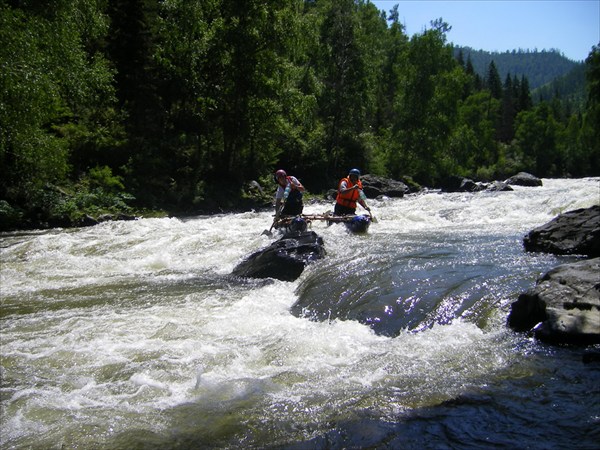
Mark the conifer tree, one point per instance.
(493, 81)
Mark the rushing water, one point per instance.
(135, 335)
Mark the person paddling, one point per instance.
(349, 194)
(289, 192)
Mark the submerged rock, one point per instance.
(284, 259)
(572, 233)
(564, 306)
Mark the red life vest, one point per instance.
(348, 198)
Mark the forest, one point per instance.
(539, 67)
(129, 106)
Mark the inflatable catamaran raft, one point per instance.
(354, 223)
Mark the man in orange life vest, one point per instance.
(289, 190)
(349, 193)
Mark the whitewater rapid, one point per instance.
(134, 332)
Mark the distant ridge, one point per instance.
(539, 67)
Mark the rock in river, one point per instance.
(564, 306)
(572, 233)
(285, 258)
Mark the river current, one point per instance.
(134, 334)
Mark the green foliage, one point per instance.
(181, 103)
(103, 178)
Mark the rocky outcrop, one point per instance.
(572, 233)
(284, 259)
(564, 306)
(524, 179)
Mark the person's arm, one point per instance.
(363, 201)
(298, 185)
(279, 200)
(344, 187)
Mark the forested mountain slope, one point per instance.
(539, 67)
(569, 87)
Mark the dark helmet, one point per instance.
(354, 172)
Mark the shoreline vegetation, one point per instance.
(74, 209)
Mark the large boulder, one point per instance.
(572, 233)
(564, 306)
(284, 259)
(524, 179)
(375, 186)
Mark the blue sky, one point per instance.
(572, 26)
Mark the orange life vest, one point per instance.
(348, 198)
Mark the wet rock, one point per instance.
(460, 184)
(87, 221)
(375, 186)
(572, 233)
(498, 186)
(564, 306)
(284, 259)
(524, 179)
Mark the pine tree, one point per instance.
(493, 81)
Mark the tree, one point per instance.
(493, 82)
(472, 144)
(509, 111)
(590, 132)
(536, 139)
(429, 81)
(342, 105)
(55, 98)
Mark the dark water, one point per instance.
(552, 404)
(134, 335)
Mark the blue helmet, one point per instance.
(354, 172)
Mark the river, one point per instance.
(134, 334)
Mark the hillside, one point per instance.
(570, 88)
(539, 67)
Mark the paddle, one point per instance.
(275, 221)
(269, 232)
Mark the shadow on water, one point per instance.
(557, 406)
